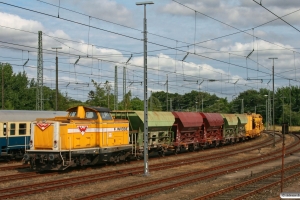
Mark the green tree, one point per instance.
(154, 104)
(97, 97)
(136, 104)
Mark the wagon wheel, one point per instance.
(200, 147)
(191, 148)
(177, 150)
(217, 143)
(233, 140)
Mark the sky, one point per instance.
(227, 44)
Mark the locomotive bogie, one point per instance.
(60, 160)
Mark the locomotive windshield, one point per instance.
(91, 115)
(105, 116)
(73, 114)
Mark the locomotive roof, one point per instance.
(99, 109)
(28, 115)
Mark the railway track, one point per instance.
(13, 167)
(266, 181)
(26, 166)
(197, 158)
(149, 188)
(53, 185)
(250, 187)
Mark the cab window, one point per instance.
(73, 114)
(105, 116)
(90, 115)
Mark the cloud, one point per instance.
(14, 21)
(236, 13)
(106, 10)
(81, 73)
(182, 73)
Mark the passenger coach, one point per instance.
(15, 130)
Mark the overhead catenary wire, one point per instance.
(240, 31)
(277, 16)
(224, 23)
(45, 51)
(176, 48)
(133, 37)
(154, 43)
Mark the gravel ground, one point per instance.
(187, 192)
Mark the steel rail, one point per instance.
(266, 187)
(138, 195)
(14, 167)
(242, 184)
(157, 166)
(183, 176)
(127, 172)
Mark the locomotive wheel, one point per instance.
(138, 157)
(161, 153)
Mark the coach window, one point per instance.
(90, 115)
(22, 129)
(105, 116)
(12, 129)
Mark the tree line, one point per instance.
(19, 93)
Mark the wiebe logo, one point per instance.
(43, 125)
(82, 129)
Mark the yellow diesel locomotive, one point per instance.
(86, 136)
